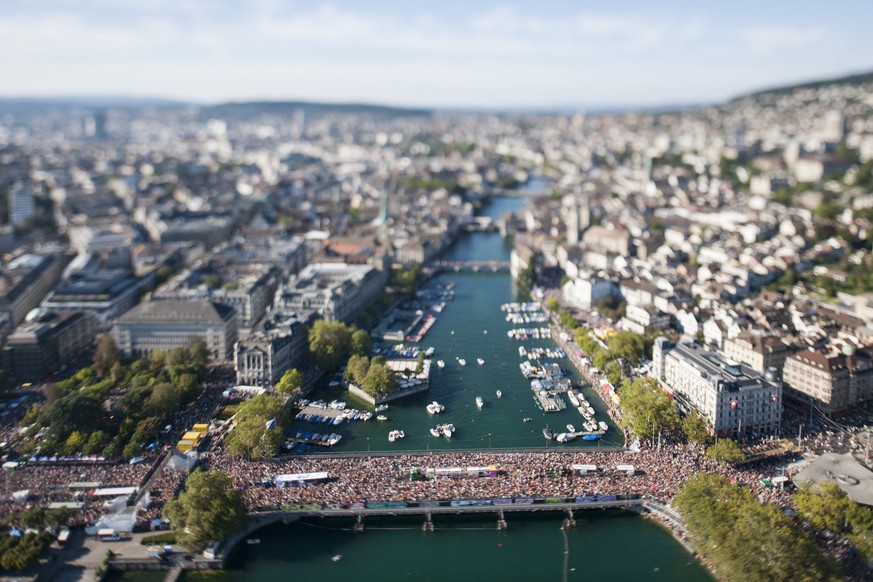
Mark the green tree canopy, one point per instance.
(645, 408)
(745, 540)
(361, 344)
(106, 355)
(725, 452)
(696, 428)
(252, 439)
(290, 381)
(209, 509)
(379, 381)
(826, 506)
(356, 369)
(329, 341)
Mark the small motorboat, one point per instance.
(382, 408)
(448, 430)
(526, 419)
(435, 407)
(547, 432)
(485, 332)
(253, 541)
(481, 361)
(436, 431)
(603, 426)
(565, 437)
(381, 418)
(441, 364)
(571, 428)
(395, 435)
(479, 402)
(591, 437)
(462, 361)
(337, 558)
(499, 394)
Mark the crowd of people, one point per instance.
(658, 473)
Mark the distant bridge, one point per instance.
(472, 266)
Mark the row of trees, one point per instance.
(80, 417)
(746, 540)
(209, 509)
(18, 554)
(373, 376)
(827, 507)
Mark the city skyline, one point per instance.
(498, 55)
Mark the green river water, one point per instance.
(604, 546)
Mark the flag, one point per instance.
(271, 424)
(733, 404)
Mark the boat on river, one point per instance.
(481, 361)
(547, 432)
(395, 435)
(382, 408)
(591, 437)
(381, 418)
(448, 430)
(603, 426)
(565, 437)
(479, 402)
(462, 361)
(499, 394)
(435, 407)
(571, 428)
(441, 364)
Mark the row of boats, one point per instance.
(445, 430)
(327, 440)
(522, 318)
(521, 307)
(526, 333)
(537, 353)
(461, 361)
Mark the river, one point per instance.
(604, 545)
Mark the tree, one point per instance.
(329, 341)
(552, 304)
(745, 540)
(290, 381)
(645, 409)
(725, 451)
(379, 381)
(58, 517)
(209, 509)
(265, 407)
(199, 352)
(696, 428)
(826, 506)
(361, 345)
(356, 369)
(33, 518)
(626, 345)
(253, 440)
(106, 355)
(163, 400)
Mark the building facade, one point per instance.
(45, 342)
(262, 358)
(733, 397)
(831, 382)
(175, 324)
(759, 352)
(25, 281)
(332, 291)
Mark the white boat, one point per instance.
(521, 351)
(366, 415)
(479, 402)
(395, 435)
(441, 364)
(448, 430)
(382, 408)
(381, 418)
(485, 332)
(499, 394)
(462, 361)
(428, 352)
(603, 426)
(571, 428)
(565, 437)
(481, 361)
(573, 398)
(435, 407)
(334, 439)
(436, 431)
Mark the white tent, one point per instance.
(121, 521)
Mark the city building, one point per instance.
(21, 204)
(734, 398)
(586, 289)
(640, 319)
(759, 352)
(832, 382)
(45, 342)
(25, 281)
(164, 325)
(332, 291)
(275, 347)
(107, 293)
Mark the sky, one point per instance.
(444, 53)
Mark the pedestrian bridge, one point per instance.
(427, 509)
(472, 266)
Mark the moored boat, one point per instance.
(462, 361)
(571, 428)
(479, 402)
(381, 417)
(481, 361)
(603, 426)
(441, 364)
(565, 437)
(547, 432)
(499, 394)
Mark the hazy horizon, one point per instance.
(497, 55)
